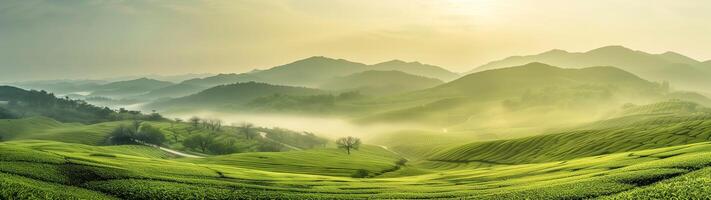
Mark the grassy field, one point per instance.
(649, 152)
(44, 169)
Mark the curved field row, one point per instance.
(137, 177)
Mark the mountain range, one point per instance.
(681, 71)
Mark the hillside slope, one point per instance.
(510, 97)
(229, 96)
(643, 127)
(380, 82)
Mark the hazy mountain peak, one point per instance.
(612, 49)
(554, 52)
(678, 58)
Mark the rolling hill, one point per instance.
(129, 88)
(508, 97)
(380, 82)
(642, 127)
(23, 103)
(683, 72)
(229, 96)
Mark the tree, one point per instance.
(348, 143)
(360, 173)
(150, 135)
(121, 135)
(247, 130)
(223, 147)
(194, 121)
(136, 124)
(200, 141)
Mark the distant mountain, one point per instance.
(527, 95)
(222, 79)
(683, 72)
(229, 96)
(513, 80)
(173, 91)
(196, 85)
(380, 82)
(61, 86)
(310, 72)
(417, 68)
(130, 87)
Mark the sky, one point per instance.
(92, 39)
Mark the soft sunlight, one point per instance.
(355, 99)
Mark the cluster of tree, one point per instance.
(212, 142)
(206, 143)
(304, 140)
(24, 103)
(137, 132)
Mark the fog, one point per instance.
(329, 127)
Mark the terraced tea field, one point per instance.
(646, 154)
(44, 170)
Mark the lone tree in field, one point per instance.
(348, 143)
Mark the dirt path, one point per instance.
(171, 151)
(264, 136)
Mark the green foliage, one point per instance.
(122, 135)
(150, 134)
(199, 141)
(360, 173)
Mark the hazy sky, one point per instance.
(42, 39)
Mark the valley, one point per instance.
(531, 131)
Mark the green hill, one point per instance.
(510, 98)
(327, 161)
(22, 103)
(380, 83)
(643, 127)
(230, 96)
(683, 72)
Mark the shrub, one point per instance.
(121, 135)
(361, 173)
(150, 134)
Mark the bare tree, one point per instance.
(247, 130)
(348, 143)
(195, 121)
